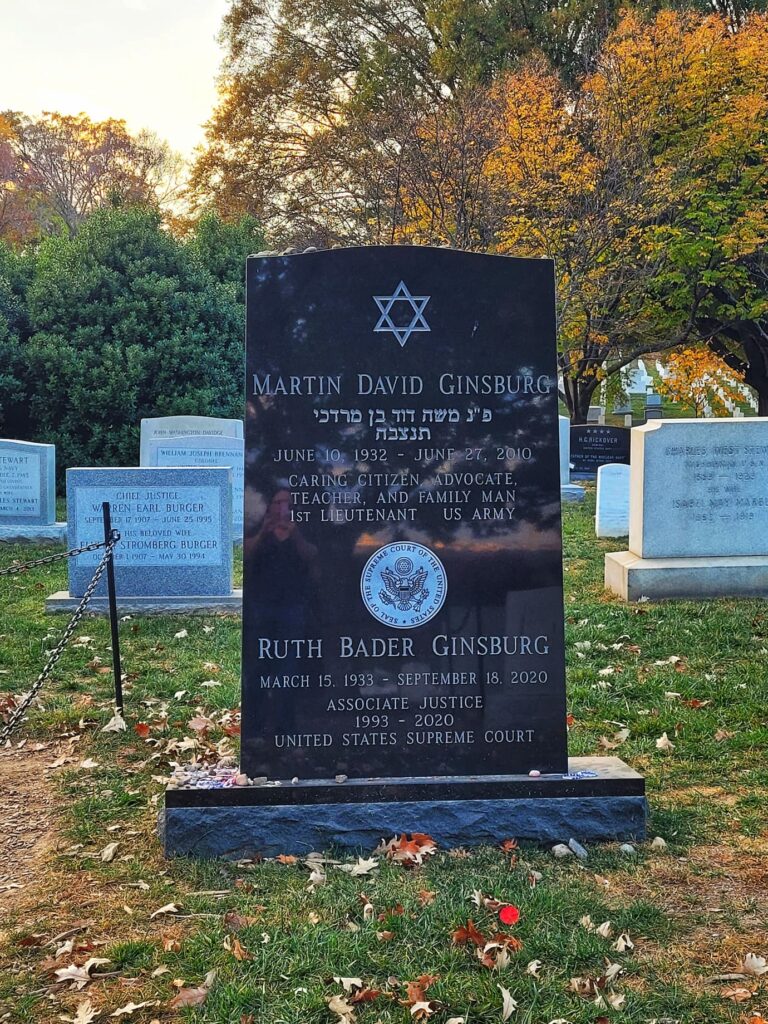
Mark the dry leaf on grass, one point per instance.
(235, 921)
(508, 1004)
(736, 994)
(754, 965)
(109, 851)
(234, 946)
(468, 933)
(665, 743)
(362, 866)
(426, 898)
(623, 943)
(79, 976)
(348, 984)
(115, 724)
(169, 908)
(340, 1006)
(129, 1008)
(408, 849)
(84, 1014)
(193, 996)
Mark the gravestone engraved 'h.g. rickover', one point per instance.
(402, 597)
(593, 446)
(403, 594)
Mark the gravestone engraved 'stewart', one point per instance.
(402, 595)
(28, 492)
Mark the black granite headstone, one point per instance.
(403, 662)
(595, 446)
(402, 611)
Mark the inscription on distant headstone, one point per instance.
(165, 427)
(700, 487)
(402, 608)
(175, 527)
(595, 446)
(205, 450)
(27, 483)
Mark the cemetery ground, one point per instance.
(98, 926)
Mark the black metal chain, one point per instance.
(12, 569)
(58, 650)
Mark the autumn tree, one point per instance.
(648, 188)
(61, 168)
(326, 104)
(696, 377)
(705, 88)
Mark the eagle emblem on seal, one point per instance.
(404, 585)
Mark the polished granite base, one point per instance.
(203, 604)
(693, 579)
(52, 533)
(571, 492)
(600, 799)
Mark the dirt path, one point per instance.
(27, 825)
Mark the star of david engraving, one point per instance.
(385, 323)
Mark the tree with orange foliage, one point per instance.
(697, 378)
(649, 189)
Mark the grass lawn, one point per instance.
(692, 910)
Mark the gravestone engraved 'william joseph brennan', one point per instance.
(402, 599)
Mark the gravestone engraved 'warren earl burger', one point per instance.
(403, 607)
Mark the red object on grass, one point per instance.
(509, 914)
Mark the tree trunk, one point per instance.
(578, 396)
(756, 374)
(752, 336)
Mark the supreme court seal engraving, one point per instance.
(403, 584)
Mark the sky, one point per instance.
(152, 63)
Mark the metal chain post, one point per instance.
(58, 650)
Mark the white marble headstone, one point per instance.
(699, 488)
(165, 427)
(205, 451)
(27, 483)
(612, 507)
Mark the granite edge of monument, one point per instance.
(607, 804)
(41, 528)
(677, 577)
(150, 604)
(53, 533)
(568, 492)
(189, 604)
